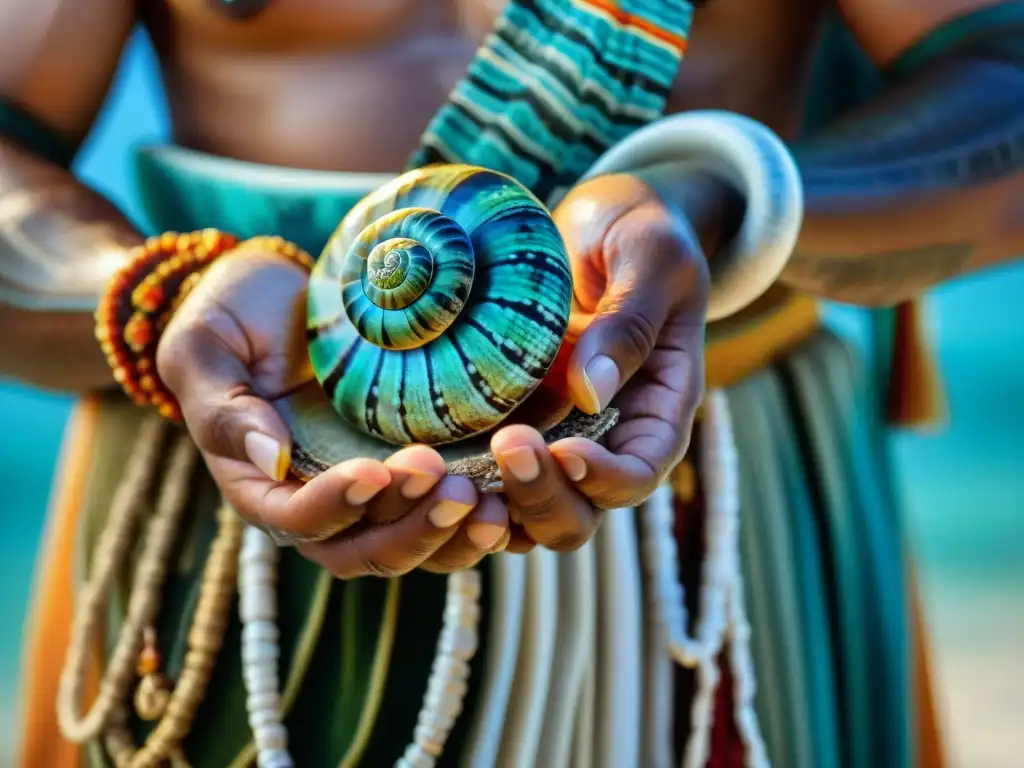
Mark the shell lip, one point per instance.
(321, 439)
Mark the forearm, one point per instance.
(923, 185)
(59, 245)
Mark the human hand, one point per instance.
(641, 285)
(236, 344)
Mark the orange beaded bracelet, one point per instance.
(143, 296)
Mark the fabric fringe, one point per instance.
(916, 397)
(722, 624)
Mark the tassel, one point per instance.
(684, 481)
(916, 397)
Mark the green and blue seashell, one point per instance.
(438, 305)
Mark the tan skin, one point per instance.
(349, 85)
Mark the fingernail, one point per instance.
(418, 484)
(522, 463)
(502, 543)
(447, 513)
(602, 379)
(485, 535)
(575, 468)
(268, 455)
(361, 492)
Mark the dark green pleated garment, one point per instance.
(821, 542)
(822, 564)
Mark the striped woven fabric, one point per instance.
(556, 83)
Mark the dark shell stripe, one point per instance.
(483, 331)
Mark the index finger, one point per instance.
(609, 480)
(291, 511)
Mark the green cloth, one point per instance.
(835, 403)
(823, 565)
(23, 128)
(961, 33)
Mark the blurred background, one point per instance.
(964, 488)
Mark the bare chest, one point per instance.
(339, 77)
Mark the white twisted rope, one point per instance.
(446, 688)
(449, 678)
(257, 607)
(722, 609)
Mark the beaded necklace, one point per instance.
(112, 551)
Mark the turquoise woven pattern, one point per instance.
(556, 83)
(468, 302)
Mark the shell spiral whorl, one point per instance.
(406, 278)
(438, 305)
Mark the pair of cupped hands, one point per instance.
(640, 284)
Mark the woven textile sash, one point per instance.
(555, 84)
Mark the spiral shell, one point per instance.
(438, 305)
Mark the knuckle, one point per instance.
(242, 503)
(632, 332)
(569, 540)
(520, 545)
(213, 427)
(176, 352)
(564, 525)
(356, 559)
(640, 497)
(170, 352)
(365, 566)
(638, 333)
(386, 557)
(540, 508)
(383, 570)
(463, 560)
(621, 498)
(439, 566)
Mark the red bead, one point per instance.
(138, 305)
(138, 332)
(149, 296)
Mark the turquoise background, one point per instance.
(963, 488)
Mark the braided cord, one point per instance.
(112, 551)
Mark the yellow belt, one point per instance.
(751, 340)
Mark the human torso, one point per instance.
(351, 84)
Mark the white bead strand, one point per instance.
(722, 608)
(449, 678)
(257, 607)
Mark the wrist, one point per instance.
(711, 208)
(142, 298)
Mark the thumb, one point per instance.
(617, 341)
(203, 365)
